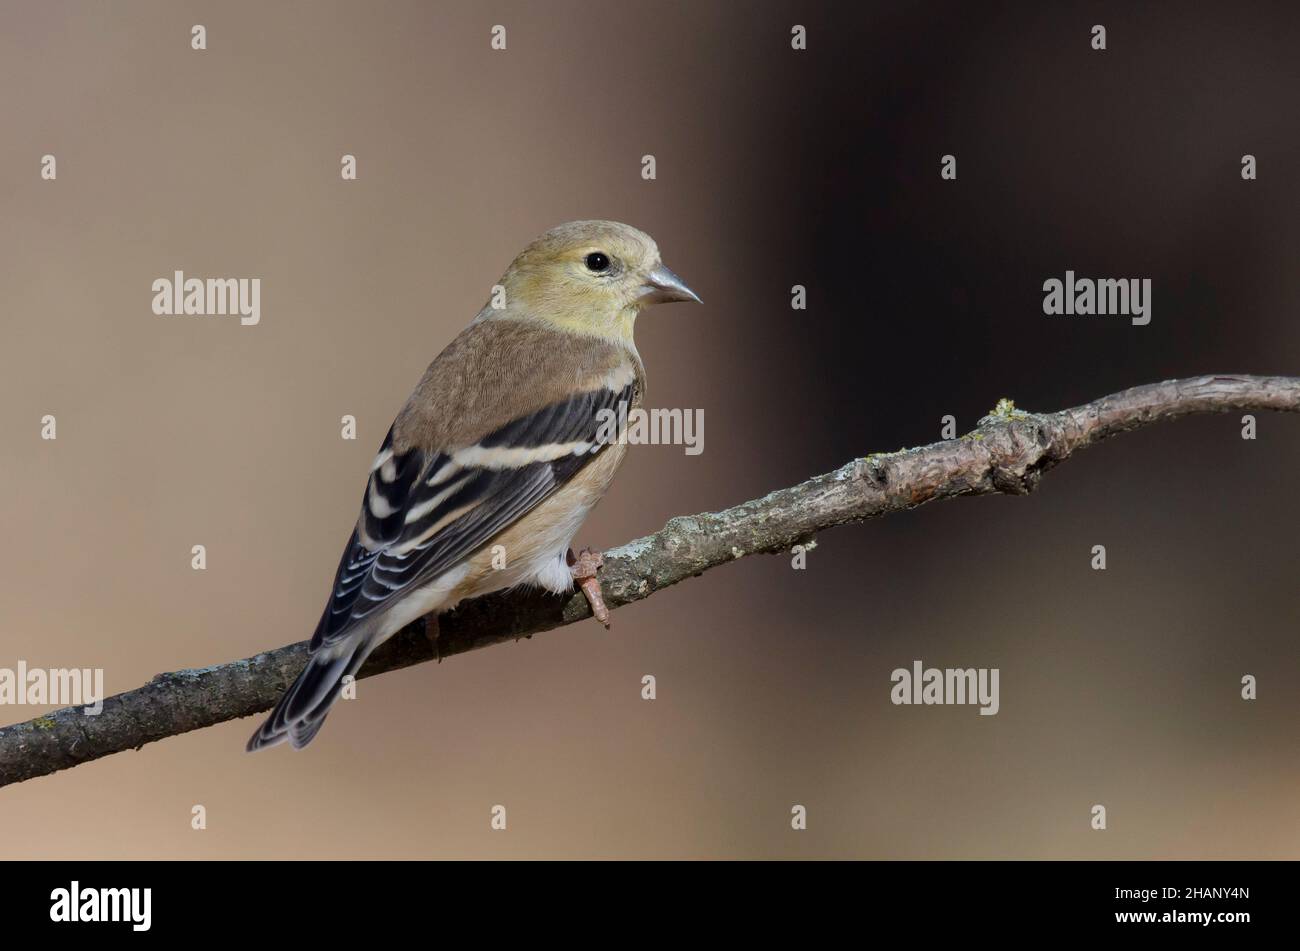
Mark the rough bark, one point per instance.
(1007, 453)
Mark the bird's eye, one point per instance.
(597, 261)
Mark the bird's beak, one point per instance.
(662, 286)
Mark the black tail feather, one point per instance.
(299, 714)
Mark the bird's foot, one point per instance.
(584, 566)
(432, 632)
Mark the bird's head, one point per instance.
(590, 277)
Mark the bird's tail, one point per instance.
(302, 710)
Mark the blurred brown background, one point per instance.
(774, 168)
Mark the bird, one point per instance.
(502, 449)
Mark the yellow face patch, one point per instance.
(584, 277)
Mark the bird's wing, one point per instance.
(425, 509)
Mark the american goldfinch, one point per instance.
(499, 445)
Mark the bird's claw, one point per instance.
(433, 633)
(584, 567)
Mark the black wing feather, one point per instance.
(381, 564)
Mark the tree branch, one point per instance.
(1007, 453)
